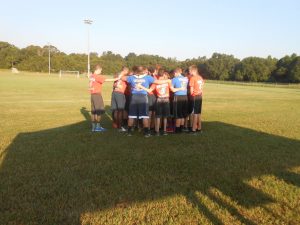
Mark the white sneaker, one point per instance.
(122, 129)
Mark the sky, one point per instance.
(171, 28)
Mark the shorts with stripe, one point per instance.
(195, 104)
(138, 107)
(180, 106)
(97, 104)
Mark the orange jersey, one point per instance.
(196, 82)
(95, 83)
(161, 90)
(120, 86)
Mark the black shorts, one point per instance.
(180, 106)
(195, 104)
(127, 97)
(151, 102)
(97, 104)
(118, 101)
(138, 107)
(162, 107)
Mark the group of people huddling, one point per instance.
(158, 101)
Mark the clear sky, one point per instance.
(170, 28)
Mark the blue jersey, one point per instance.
(178, 82)
(144, 80)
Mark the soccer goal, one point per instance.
(68, 73)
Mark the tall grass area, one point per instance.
(243, 169)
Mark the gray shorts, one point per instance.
(118, 101)
(97, 104)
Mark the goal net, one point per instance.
(68, 73)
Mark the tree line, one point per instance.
(217, 67)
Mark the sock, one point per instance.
(98, 125)
(129, 129)
(93, 126)
(181, 128)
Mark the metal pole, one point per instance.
(88, 22)
(89, 65)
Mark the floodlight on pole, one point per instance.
(88, 22)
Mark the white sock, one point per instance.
(98, 125)
(93, 126)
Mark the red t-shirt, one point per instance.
(197, 83)
(95, 83)
(120, 86)
(161, 90)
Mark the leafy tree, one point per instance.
(283, 67)
(254, 69)
(294, 70)
(220, 66)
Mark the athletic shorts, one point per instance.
(97, 104)
(118, 101)
(127, 103)
(138, 107)
(180, 106)
(195, 104)
(151, 101)
(162, 107)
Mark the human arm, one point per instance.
(176, 89)
(149, 90)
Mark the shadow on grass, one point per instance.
(54, 176)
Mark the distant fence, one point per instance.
(257, 84)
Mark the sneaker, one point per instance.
(103, 129)
(122, 129)
(157, 134)
(147, 135)
(193, 133)
(199, 131)
(185, 129)
(165, 133)
(129, 134)
(99, 129)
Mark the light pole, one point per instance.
(49, 57)
(88, 22)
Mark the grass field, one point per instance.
(244, 168)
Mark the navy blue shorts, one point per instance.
(139, 107)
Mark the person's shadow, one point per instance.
(54, 176)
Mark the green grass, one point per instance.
(244, 168)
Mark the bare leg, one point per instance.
(200, 123)
(195, 122)
(130, 122)
(150, 119)
(146, 123)
(165, 124)
(157, 125)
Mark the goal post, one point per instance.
(68, 73)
